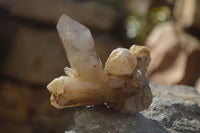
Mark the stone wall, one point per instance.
(32, 55)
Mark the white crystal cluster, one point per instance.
(121, 84)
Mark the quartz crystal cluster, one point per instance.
(121, 84)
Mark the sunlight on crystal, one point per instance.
(87, 83)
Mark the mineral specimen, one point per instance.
(121, 84)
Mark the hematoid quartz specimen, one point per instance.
(121, 84)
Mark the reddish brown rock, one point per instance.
(138, 6)
(48, 11)
(14, 102)
(197, 85)
(44, 117)
(187, 13)
(52, 123)
(175, 55)
(36, 56)
(23, 110)
(7, 127)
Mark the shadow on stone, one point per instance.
(100, 119)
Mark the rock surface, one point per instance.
(174, 109)
(100, 120)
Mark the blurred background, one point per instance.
(32, 54)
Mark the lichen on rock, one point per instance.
(121, 84)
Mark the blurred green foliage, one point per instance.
(138, 25)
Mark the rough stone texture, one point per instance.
(175, 116)
(175, 55)
(174, 109)
(108, 121)
(48, 11)
(176, 92)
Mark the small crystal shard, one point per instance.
(122, 84)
